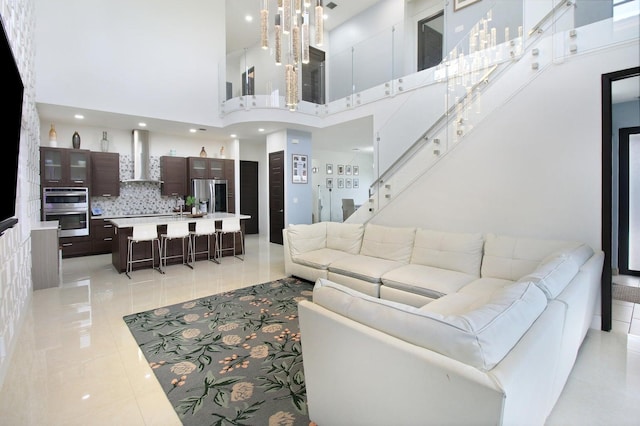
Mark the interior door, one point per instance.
(249, 195)
(629, 201)
(313, 77)
(248, 82)
(276, 196)
(430, 41)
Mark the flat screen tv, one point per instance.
(11, 99)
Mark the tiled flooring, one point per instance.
(77, 364)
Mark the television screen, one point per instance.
(12, 91)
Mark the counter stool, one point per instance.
(175, 230)
(231, 225)
(142, 233)
(204, 228)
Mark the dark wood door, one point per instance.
(430, 41)
(629, 155)
(313, 77)
(276, 196)
(249, 195)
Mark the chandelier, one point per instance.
(291, 38)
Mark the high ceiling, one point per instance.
(240, 34)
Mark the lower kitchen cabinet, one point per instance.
(75, 246)
(102, 234)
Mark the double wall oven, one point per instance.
(70, 207)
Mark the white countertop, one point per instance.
(164, 219)
(49, 224)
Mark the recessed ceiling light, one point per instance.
(192, 130)
(248, 18)
(233, 135)
(142, 124)
(79, 116)
(261, 129)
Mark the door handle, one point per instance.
(280, 211)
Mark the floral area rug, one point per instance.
(233, 358)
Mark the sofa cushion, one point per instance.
(320, 259)
(460, 252)
(346, 237)
(426, 281)
(304, 238)
(511, 258)
(479, 336)
(553, 275)
(365, 268)
(482, 288)
(388, 242)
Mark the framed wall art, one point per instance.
(459, 4)
(348, 183)
(340, 169)
(356, 183)
(329, 169)
(356, 170)
(329, 183)
(347, 169)
(299, 168)
(340, 183)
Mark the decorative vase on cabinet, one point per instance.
(203, 153)
(104, 143)
(53, 136)
(75, 139)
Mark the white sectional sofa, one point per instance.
(412, 326)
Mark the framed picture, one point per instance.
(329, 182)
(299, 168)
(356, 170)
(348, 183)
(459, 4)
(340, 183)
(356, 183)
(347, 169)
(329, 169)
(340, 169)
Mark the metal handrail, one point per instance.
(538, 26)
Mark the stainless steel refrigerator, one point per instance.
(210, 195)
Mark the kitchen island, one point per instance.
(123, 228)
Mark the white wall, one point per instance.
(150, 51)
(532, 168)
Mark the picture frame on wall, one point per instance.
(347, 169)
(329, 169)
(340, 169)
(299, 168)
(356, 183)
(329, 183)
(348, 183)
(459, 4)
(340, 183)
(356, 170)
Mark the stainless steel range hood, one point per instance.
(140, 155)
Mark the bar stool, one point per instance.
(175, 230)
(231, 225)
(204, 228)
(142, 233)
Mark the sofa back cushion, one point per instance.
(388, 242)
(304, 238)
(448, 250)
(345, 236)
(511, 258)
(556, 271)
(479, 336)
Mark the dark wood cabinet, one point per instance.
(206, 168)
(229, 175)
(105, 174)
(64, 167)
(173, 173)
(102, 234)
(75, 246)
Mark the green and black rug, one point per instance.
(233, 358)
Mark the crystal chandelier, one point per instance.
(291, 38)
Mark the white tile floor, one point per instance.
(77, 364)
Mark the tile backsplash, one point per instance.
(136, 197)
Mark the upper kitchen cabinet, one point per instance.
(173, 174)
(105, 174)
(206, 168)
(64, 167)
